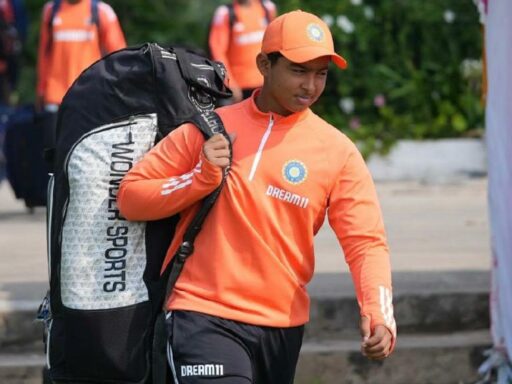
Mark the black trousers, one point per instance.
(208, 349)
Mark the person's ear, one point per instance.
(263, 63)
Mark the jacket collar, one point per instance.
(279, 121)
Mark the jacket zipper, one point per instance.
(264, 139)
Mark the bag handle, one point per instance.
(185, 68)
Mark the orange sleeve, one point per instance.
(219, 40)
(170, 177)
(111, 35)
(43, 51)
(355, 215)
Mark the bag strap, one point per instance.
(95, 19)
(266, 11)
(184, 61)
(55, 9)
(95, 13)
(232, 19)
(210, 124)
(53, 14)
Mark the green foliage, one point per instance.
(413, 72)
(422, 71)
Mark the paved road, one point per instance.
(430, 227)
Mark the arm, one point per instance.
(43, 55)
(175, 174)
(219, 40)
(354, 214)
(110, 34)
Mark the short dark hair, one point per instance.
(273, 57)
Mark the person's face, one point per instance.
(291, 87)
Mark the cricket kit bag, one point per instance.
(26, 169)
(106, 291)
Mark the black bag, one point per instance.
(26, 171)
(106, 292)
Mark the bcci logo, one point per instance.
(295, 172)
(315, 32)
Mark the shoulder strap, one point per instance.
(210, 124)
(232, 16)
(95, 19)
(265, 10)
(55, 9)
(95, 15)
(232, 19)
(53, 13)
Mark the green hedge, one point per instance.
(412, 70)
(414, 65)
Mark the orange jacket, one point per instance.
(254, 255)
(74, 45)
(237, 47)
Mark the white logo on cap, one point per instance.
(315, 33)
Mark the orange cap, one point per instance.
(300, 36)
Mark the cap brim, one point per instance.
(301, 55)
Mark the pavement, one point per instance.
(430, 227)
(440, 254)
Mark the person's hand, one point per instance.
(376, 345)
(216, 150)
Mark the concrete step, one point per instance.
(418, 359)
(18, 328)
(424, 302)
(22, 368)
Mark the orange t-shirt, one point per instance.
(238, 46)
(75, 44)
(254, 256)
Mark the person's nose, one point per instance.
(309, 83)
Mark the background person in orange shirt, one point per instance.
(238, 309)
(72, 37)
(235, 40)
